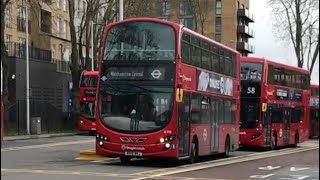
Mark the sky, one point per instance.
(266, 44)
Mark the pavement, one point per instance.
(24, 137)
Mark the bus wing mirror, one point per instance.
(179, 95)
(264, 107)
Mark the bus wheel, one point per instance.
(194, 153)
(273, 142)
(296, 140)
(125, 159)
(227, 147)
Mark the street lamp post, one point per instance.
(120, 10)
(92, 45)
(27, 70)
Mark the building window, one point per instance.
(21, 19)
(65, 27)
(164, 8)
(218, 7)
(8, 15)
(58, 4)
(218, 37)
(58, 26)
(65, 5)
(218, 24)
(186, 8)
(187, 22)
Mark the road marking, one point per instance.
(211, 164)
(95, 174)
(46, 145)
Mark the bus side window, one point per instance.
(195, 109)
(277, 115)
(220, 107)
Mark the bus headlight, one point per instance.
(167, 139)
(101, 137)
(167, 145)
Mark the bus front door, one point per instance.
(184, 126)
(286, 128)
(267, 126)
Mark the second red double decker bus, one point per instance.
(88, 90)
(274, 103)
(166, 92)
(314, 111)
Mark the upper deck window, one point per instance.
(140, 41)
(251, 71)
(289, 78)
(89, 81)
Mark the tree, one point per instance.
(298, 20)
(200, 10)
(100, 12)
(140, 8)
(75, 65)
(4, 53)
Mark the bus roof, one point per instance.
(91, 73)
(174, 25)
(263, 60)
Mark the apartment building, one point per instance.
(49, 49)
(49, 37)
(226, 21)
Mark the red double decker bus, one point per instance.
(314, 111)
(166, 92)
(88, 89)
(274, 103)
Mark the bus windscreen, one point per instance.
(140, 41)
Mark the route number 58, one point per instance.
(251, 90)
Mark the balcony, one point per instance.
(19, 50)
(245, 47)
(244, 13)
(245, 30)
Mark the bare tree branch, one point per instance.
(298, 19)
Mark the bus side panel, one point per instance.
(294, 128)
(203, 132)
(246, 138)
(233, 131)
(278, 129)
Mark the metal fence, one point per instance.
(52, 119)
(19, 50)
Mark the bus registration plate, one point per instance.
(133, 153)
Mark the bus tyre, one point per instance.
(273, 142)
(296, 140)
(193, 153)
(227, 148)
(125, 159)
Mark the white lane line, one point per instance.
(46, 145)
(200, 166)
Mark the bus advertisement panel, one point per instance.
(274, 103)
(88, 89)
(161, 92)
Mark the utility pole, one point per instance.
(27, 69)
(92, 45)
(120, 10)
